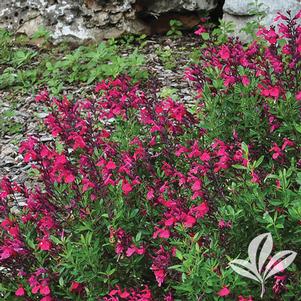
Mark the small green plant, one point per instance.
(220, 34)
(194, 56)
(22, 57)
(84, 64)
(8, 126)
(258, 13)
(175, 28)
(168, 92)
(6, 42)
(257, 9)
(42, 32)
(167, 57)
(132, 40)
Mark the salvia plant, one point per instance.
(142, 198)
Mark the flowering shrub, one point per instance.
(143, 199)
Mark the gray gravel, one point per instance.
(29, 114)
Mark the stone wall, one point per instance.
(102, 19)
(91, 19)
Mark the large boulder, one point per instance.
(91, 19)
(241, 12)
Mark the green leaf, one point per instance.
(59, 147)
(205, 36)
(61, 282)
(237, 166)
(30, 243)
(138, 236)
(258, 162)
(179, 255)
(55, 240)
(297, 127)
(245, 148)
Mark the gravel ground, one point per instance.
(28, 115)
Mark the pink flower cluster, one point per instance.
(155, 172)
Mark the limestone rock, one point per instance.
(158, 7)
(248, 8)
(31, 26)
(90, 19)
(241, 12)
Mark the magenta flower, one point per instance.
(224, 292)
